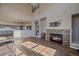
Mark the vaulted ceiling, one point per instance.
(15, 13)
(20, 13)
(34, 6)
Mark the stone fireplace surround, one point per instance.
(65, 35)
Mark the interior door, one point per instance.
(75, 28)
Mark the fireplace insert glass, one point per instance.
(56, 38)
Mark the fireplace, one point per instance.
(56, 38)
(63, 33)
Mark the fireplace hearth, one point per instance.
(56, 38)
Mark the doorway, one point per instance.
(75, 28)
(43, 25)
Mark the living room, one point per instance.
(40, 25)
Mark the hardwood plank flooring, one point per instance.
(35, 47)
(5, 50)
(39, 47)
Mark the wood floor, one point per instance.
(39, 47)
(7, 49)
(35, 47)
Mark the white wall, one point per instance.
(55, 12)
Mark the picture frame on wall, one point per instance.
(55, 24)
